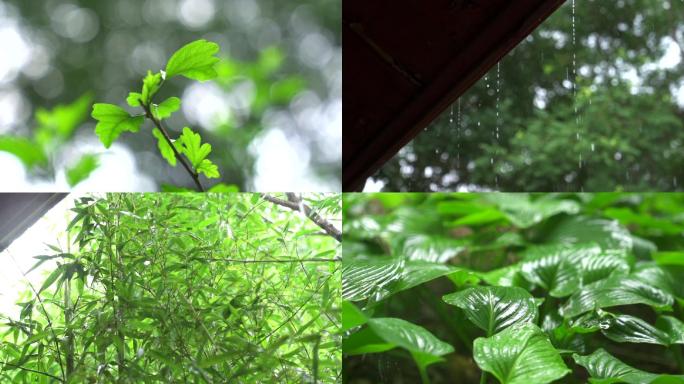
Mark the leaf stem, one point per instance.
(167, 137)
(483, 378)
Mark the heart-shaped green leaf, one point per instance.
(520, 354)
(495, 308)
(604, 369)
(615, 291)
(563, 269)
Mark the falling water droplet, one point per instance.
(458, 155)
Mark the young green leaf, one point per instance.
(81, 170)
(112, 121)
(209, 169)
(191, 145)
(134, 99)
(495, 308)
(151, 85)
(166, 108)
(520, 354)
(604, 368)
(195, 61)
(630, 329)
(164, 147)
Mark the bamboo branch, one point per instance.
(294, 203)
(34, 371)
(275, 260)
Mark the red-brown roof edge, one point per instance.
(438, 95)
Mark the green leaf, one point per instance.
(416, 273)
(58, 124)
(630, 329)
(195, 61)
(134, 98)
(164, 147)
(209, 169)
(615, 291)
(224, 188)
(669, 258)
(608, 234)
(166, 108)
(51, 279)
(562, 269)
(411, 337)
(520, 354)
(436, 249)
(81, 170)
(352, 317)
(369, 277)
(495, 308)
(524, 212)
(603, 368)
(112, 121)
(189, 143)
(151, 85)
(30, 153)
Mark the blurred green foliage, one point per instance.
(616, 127)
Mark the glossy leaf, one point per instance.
(113, 121)
(495, 308)
(615, 291)
(409, 336)
(520, 354)
(523, 211)
(436, 249)
(364, 278)
(603, 368)
(195, 60)
(563, 269)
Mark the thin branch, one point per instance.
(276, 260)
(34, 371)
(297, 205)
(167, 137)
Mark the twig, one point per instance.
(167, 137)
(276, 260)
(34, 371)
(297, 205)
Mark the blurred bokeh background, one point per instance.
(273, 117)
